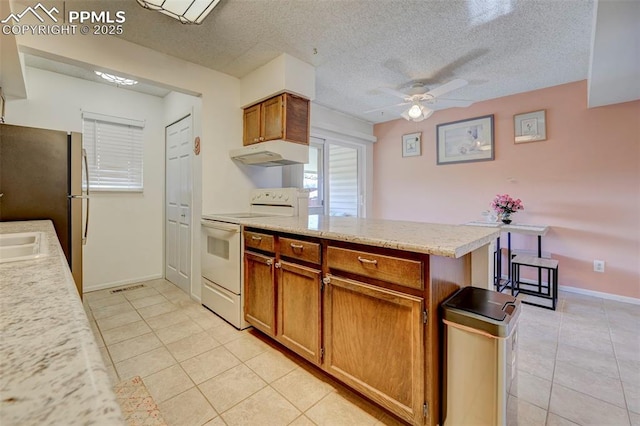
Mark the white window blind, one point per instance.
(114, 147)
(343, 181)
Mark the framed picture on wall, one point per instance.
(411, 144)
(530, 126)
(465, 141)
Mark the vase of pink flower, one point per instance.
(505, 206)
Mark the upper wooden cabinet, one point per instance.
(284, 117)
(252, 124)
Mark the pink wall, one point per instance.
(583, 181)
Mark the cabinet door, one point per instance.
(299, 310)
(251, 125)
(272, 118)
(296, 119)
(374, 342)
(259, 292)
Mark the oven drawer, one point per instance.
(224, 303)
(259, 241)
(301, 250)
(392, 269)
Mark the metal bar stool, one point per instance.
(548, 290)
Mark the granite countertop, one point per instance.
(430, 238)
(51, 371)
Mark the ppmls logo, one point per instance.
(85, 22)
(34, 11)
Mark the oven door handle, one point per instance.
(220, 226)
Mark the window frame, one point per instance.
(319, 144)
(324, 143)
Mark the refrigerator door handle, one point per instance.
(86, 170)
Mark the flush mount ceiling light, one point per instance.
(417, 112)
(185, 11)
(120, 81)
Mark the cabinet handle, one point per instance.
(369, 261)
(297, 246)
(253, 237)
(261, 138)
(255, 139)
(269, 262)
(278, 265)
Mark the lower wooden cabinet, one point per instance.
(358, 326)
(299, 299)
(259, 292)
(374, 342)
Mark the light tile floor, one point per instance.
(577, 365)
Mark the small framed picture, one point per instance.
(411, 144)
(530, 127)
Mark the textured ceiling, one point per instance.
(358, 46)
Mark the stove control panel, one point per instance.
(278, 196)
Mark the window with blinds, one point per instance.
(343, 180)
(114, 147)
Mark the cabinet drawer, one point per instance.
(301, 250)
(259, 241)
(392, 269)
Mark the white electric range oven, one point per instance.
(222, 247)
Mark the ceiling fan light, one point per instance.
(185, 11)
(415, 111)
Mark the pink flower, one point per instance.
(504, 204)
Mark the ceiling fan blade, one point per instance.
(451, 103)
(385, 107)
(394, 92)
(447, 87)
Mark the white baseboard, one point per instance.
(600, 294)
(103, 286)
(577, 290)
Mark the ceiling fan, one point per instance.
(418, 99)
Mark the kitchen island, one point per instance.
(360, 298)
(51, 371)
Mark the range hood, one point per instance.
(272, 153)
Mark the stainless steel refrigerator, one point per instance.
(41, 177)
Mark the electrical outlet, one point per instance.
(598, 265)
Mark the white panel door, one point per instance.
(178, 204)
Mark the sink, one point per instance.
(19, 239)
(21, 246)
